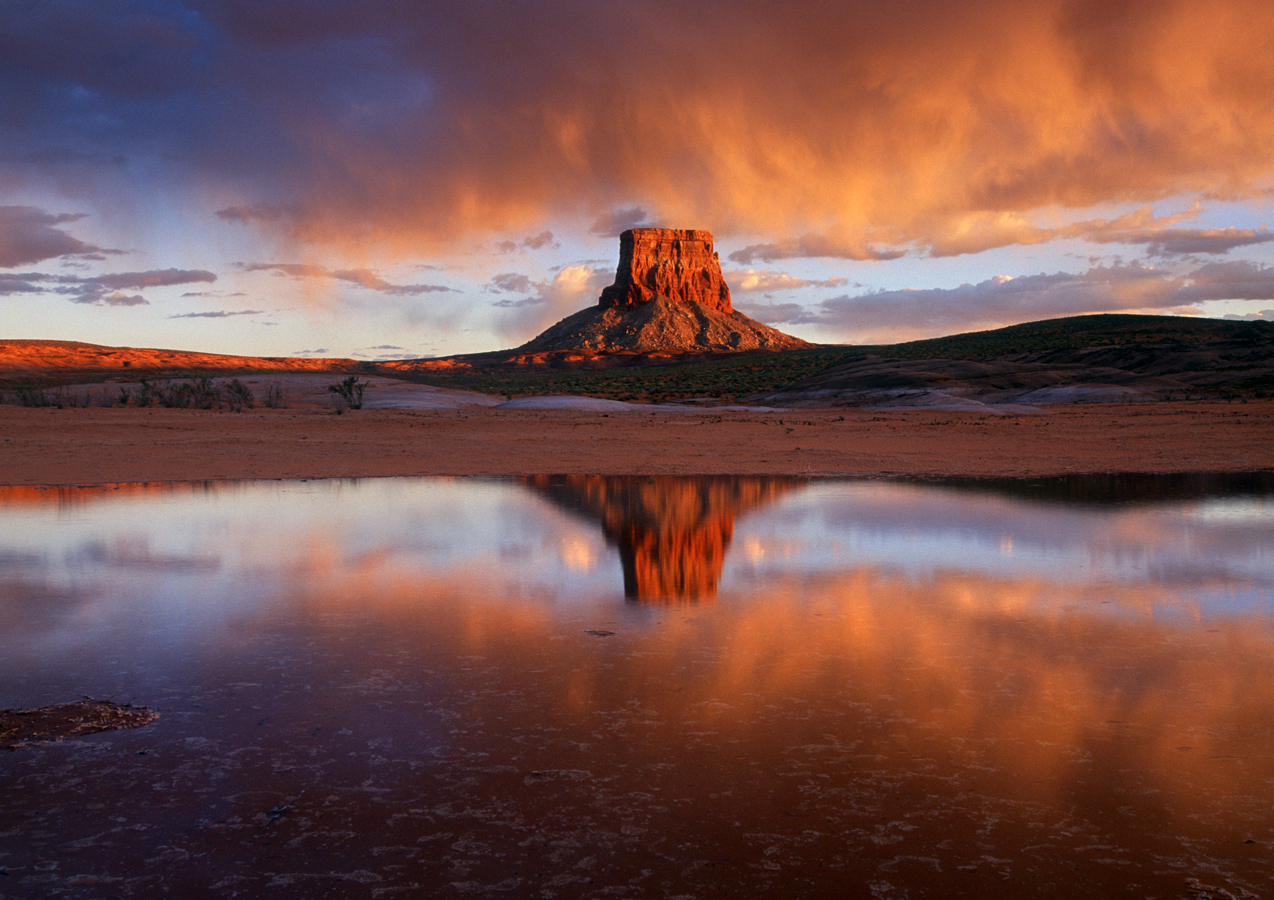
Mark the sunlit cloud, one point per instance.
(860, 135)
(570, 290)
(750, 280)
(363, 278)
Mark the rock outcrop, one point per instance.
(676, 263)
(669, 296)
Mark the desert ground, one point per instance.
(409, 429)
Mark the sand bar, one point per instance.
(98, 445)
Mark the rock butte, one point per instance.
(679, 264)
(669, 296)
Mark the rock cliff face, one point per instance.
(669, 296)
(676, 263)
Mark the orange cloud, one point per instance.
(920, 123)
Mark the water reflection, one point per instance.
(672, 532)
(436, 687)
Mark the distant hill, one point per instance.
(62, 359)
(1079, 332)
(1081, 358)
(1100, 358)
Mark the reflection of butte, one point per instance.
(672, 531)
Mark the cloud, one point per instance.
(538, 241)
(815, 245)
(617, 221)
(384, 351)
(1002, 300)
(751, 280)
(857, 130)
(106, 290)
(364, 278)
(513, 282)
(981, 231)
(570, 290)
(781, 313)
(219, 314)
(30, 235)
(118, 299)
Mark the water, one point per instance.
(636, 687)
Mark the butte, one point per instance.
(669, 297)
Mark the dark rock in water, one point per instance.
(669, 296)
(20, 727)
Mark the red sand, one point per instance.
(96, 445)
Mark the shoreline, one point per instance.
(128, 445)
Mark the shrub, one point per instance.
(146, 393)
(238, 395)
(203, 393)
(350, 391)
(274, 395)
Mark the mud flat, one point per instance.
(94, 445)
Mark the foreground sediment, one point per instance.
(99, 445)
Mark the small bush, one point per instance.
(274, 395)
(238, 396)
(177, 396)
(203, 393)
(351, 391)
(29, 395)
(146, 394)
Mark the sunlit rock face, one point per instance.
(669, 297)
(676, 263)
(672, 533)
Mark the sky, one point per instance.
(401, 179)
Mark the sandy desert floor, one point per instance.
(415, 430)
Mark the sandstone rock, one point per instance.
(669, 296)
(676, 263)
(660, 326)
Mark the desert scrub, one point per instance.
(350, 390)
(29, 395)
(274, 395)
(238, 395)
